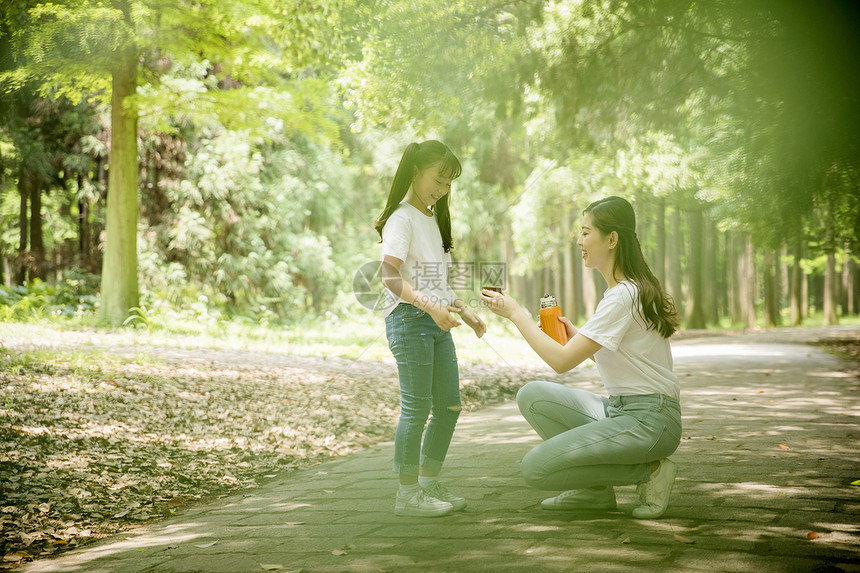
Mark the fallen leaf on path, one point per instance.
(784, 447)
(812, 535)
(855, 482)
(681, 539)
(16, 556)
(129, 437)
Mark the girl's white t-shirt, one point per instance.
(414, 238)
(633, 360)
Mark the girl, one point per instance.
(594, 443)
(415, 227)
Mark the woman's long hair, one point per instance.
(616, 214)
(423, 155)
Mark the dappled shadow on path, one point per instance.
(768, 455)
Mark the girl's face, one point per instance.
(429, 185)
(598, 250)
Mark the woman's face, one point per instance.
(597, 248)
(429, 185)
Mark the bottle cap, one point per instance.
(548, 301)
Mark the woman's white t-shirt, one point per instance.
(633, 360)
(414, 238)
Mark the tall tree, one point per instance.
(251, 56)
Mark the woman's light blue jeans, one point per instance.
(593, 441)
(429, 387)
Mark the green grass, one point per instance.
(359, 336)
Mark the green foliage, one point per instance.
(269, 133)
(71, 297)
(423, 63)
(226, 226)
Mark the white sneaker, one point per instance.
(419, 504)
(441, 493)
(654, 493)
(581, 499)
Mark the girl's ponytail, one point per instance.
(400, 186)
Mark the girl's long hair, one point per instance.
(423, 155)
(616, 214)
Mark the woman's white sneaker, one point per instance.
(418, 504)
(581, 499)
(654, 493)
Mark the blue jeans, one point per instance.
(429, 387)
(595, 441)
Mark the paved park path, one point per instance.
(769, 454)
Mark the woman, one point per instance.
(593, 443)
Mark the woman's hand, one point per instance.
(501, 304)
(568, 326)
(442, 316)
(474, 321)
(559, 358)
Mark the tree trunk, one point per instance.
(534, 281)
(830, 315)
(4, 276)
(784, 277)
(660, 252)
(571, 309)
(748, 287)
(733, 282)
(23, 216)
(37, 243)
(711, 302)
(695, 305)
(83, 228)
(547, 285)
(675, 247)
(847, 291)
(796, 304)
(804, 292)
(119, 287)
(771, 294)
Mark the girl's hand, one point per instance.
(568, 326)
(442, 316)
(474, 321)
(501, 304)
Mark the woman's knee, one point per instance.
(531, 393)
(530, 467)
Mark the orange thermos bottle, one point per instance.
(549, 314)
